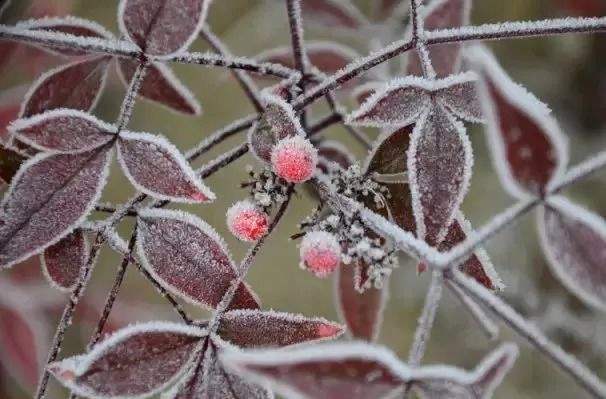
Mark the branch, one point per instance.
(432, 301)
(568, 363)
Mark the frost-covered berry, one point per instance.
(294, 159)
(320, 253)
(246, 221)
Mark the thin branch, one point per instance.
(219, 136)
(248, 86)
(352, 130)
(565, 361)
(418, 36)
(68, 314)
(580, 171)
(295, 22)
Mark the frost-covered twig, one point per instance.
(489, 327)
(295, 22)
(568, 363)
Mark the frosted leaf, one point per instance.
(478, 265)
(439, 170)
(361, 311)
(388, 153)
(49, 196)
(398, 103)
(332, 153)
(328, 57)
(442, 14)
(256, 328)
(461, 98)
(437, 382)
(162, 27)
(332, 13)
(529, 150)
(10, 162)
(22, 341)
(574, 242)
(188, 257)
(135, 362)
(399, 205)
(160, 85)
(157, 168)
(324, 371)
(210, 380)
(68, 25)
(278, 121)
(77, 85)
(63, 130)
(62, 262)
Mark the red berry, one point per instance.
(246, 221)
(294, 159)
(320, 253)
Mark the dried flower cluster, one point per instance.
(404, 197)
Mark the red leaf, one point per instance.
(363, 92)
(10, 103)
(138, 360)
(162, 27)
(528, 148)
(157, 168)
(77, 85)
(445, 58)
(21, 343)
(7, 48)
(334, 371)
(361, 311)
(277, 122)
(434, 382)
(62, 262)
(478, 265)
(460, 96)
(439, 167)
(188, 257)
(10, 162)
(574, 242)
(218, 384)
(50, 195)
(63, 130)
(160, 85)
(396, 104)
(332, 13)
(256, 328)
(69, 25)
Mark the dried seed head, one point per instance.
(320, 253)
(294, 159)
(246, 221)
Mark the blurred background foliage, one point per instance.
(568, 73)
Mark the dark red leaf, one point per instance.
(574, 241)
(528, 148)
(63, 130)
(332, 13)
(187, 256)
(277, 122)
(256, 328)
(361, 311)
(138, 360)
(396, 104)
(10, 162)
(478, 265)
(335, 371)
(219, 382)
(161, 27)
(460, 96)
(157, 168)
(160, 85)
(439, 164)
(445, 58)
(388, 154)
(49, 196)
(10, 104)
(7, 48)
(62, 262)
(77, 85)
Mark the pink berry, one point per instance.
(294, 159)
(320, 253)
(246, 221)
